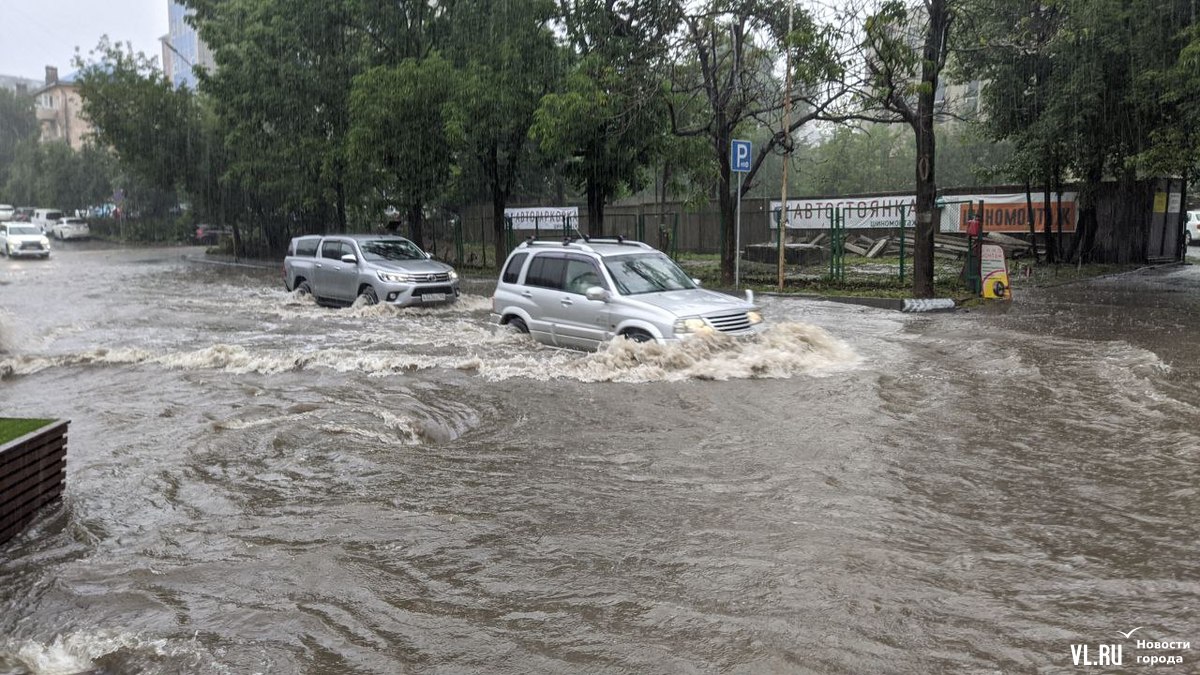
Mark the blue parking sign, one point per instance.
(739, 156)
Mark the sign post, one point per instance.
(740, 153)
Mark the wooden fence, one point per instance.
(32, 472)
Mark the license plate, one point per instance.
(433, 297)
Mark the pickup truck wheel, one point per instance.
(518, 324)
(368, 296)
(303, 288)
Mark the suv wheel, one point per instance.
(636, 335)
(304, 289)
(368, 296)
(518, 324)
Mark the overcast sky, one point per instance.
(39, 33)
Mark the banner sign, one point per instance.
(994, 271)
(544, 218)
(1001, 212)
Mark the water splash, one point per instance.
(784, 350)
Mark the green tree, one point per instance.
(398, 135)
(508, 60)
(18, 125)
(281, 92)
(906, 53)
(723, 84)
(1095, 88)
(608, 123)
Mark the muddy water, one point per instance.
(257, 484)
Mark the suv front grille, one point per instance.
(31, 245)
(730, 323)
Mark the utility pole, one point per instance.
(787, 146)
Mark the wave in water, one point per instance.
(784, 350)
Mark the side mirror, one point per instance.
(428, 255)
(696, 281)
(596, 294)
(349, 258)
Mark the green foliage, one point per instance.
(54, 175)
(398, 138)
(607, 124)
(18, 126)
(281, 93)
(1093, 86)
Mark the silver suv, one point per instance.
(583, 293)
(339, 269)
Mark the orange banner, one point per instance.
(1014, 217)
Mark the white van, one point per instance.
(46, 218)
(1192, 234)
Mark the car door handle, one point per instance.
(566, 302)
(318, 264)
(526, 294)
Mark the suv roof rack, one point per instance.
(582, 243)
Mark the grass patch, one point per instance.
(1042, 275)
(12, 428)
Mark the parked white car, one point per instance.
(70, 228)
(7, 212)
(1192, 235)
(45, 218)
(21, 239)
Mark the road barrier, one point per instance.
(32, 472)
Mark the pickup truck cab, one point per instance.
(339, 269)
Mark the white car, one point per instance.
(1192, 235)
(70, 228)
(21, 239)
(7, 212)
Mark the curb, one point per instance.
(910, 305)
(230, 262)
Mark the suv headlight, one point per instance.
(453, 275)
(392, 277)
(754, 317)
(45, 241)
(692, 325)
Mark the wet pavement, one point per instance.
(258, 484)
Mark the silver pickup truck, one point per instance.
(339, 269)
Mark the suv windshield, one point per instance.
(23, 229)
(647, 273)
(390, 249)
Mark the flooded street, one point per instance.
(259, 484)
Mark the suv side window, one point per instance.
(307, 247)
(582, 274)
(513, 270)
(546, 271)
(332, 250)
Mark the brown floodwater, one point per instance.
(258, 484)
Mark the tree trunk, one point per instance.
(595, 209)
(726, 200)
(1037, 257)
(341, 205)
(926, 197)
(499, 201)
(1058, 211)
(416, 225)
(1048, 223)
(932, 61)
